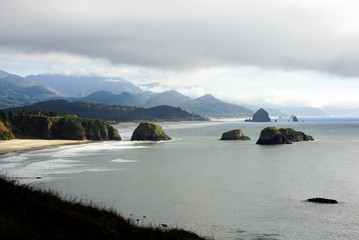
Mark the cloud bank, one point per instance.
(289, 35)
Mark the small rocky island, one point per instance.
(236, 134)
(148, 131)
(260, 116)
(322, 200)
(272, 135)
(294, 118)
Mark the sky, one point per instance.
(259, 52)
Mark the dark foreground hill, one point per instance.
(93, 110)
(27, 213)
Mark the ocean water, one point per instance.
(218, 189)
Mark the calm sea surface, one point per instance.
(219, 189)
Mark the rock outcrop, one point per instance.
(322, 200)
(68, 127)
(5, 133)
(272, 135)
(148, 131)
(236, 134)
(260, 116)
(294, 118)
(295, 136)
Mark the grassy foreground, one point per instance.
(27, 213)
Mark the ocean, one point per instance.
(218, 189)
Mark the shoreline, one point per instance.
(15, 145)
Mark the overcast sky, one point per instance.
(298, 52)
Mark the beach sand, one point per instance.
(27, 144)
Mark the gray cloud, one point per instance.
(318, 36)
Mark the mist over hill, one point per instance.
(170, 98)
(80, 86)
(210, 106)
(18, 91)
(124, 99)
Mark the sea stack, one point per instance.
(272, 135)
(148, 131)
(294, 118)
(236, 134)
(260, 116)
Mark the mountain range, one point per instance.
(82, 86)
(18, 91)
(15, 90)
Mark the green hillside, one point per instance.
(93, 110)
(16, 91)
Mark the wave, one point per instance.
(18, 158)
(119, 160)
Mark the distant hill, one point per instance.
(303, 111)
(15, 91)
(210, 106)
(83, 86)
(274, 112)
(342, 112)
(93, 110)
(144, 99)
(124, 99)
(170, 98)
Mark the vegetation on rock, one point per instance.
(5, 133)
(236, 134)
(148, 131)
(70, 127)
(295, 136)
(272, 135)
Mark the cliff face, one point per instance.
(272, 135)
(5, 133)
(63, 127)
(148, 131)
(236, 134)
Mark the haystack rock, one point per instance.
(148, 131)
(236, 134)
(260, 116)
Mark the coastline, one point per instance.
(13, 145)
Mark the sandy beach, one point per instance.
(27, 144)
